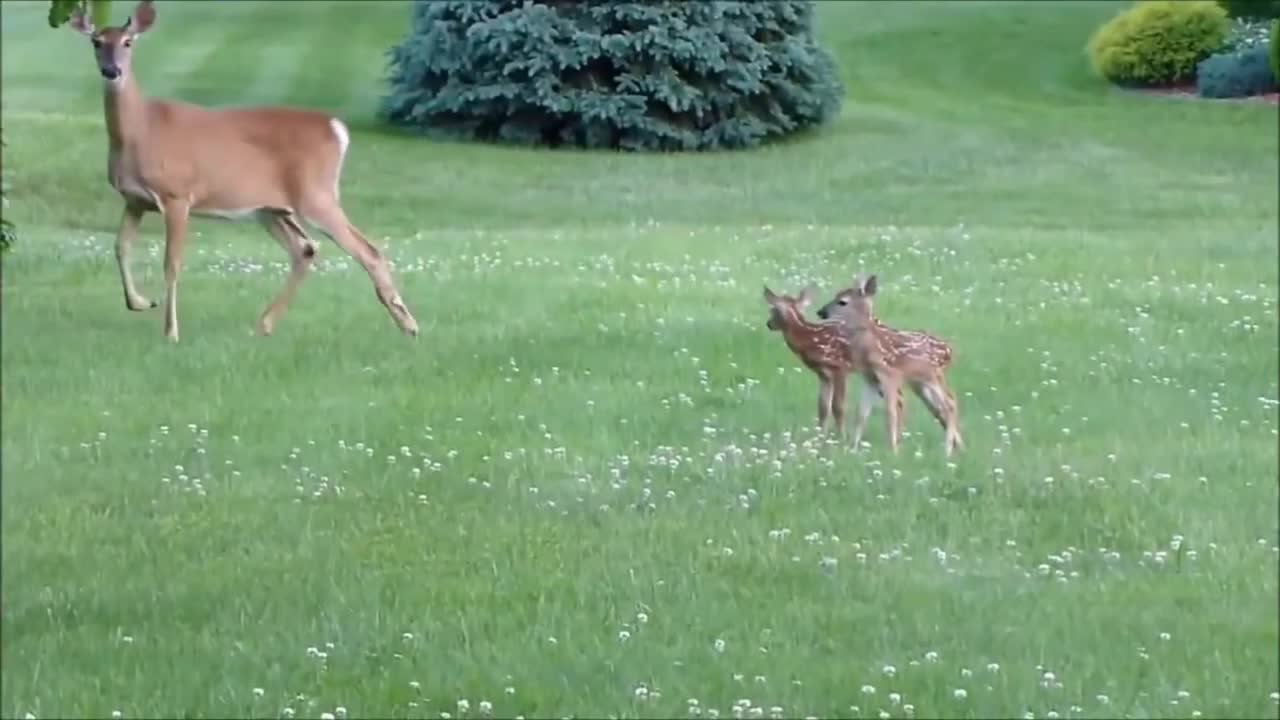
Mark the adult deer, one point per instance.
(889, 358)
(824, 348)
(270, 164)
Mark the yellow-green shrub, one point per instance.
(1158, 42)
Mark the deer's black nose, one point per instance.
(110, 72)
(822, 313)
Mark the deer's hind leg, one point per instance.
(282, 226)
(902, 410)
(935, 394)
(325, 213)
(953, 414)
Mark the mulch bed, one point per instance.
(1189, 91)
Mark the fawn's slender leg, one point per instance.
(953, 415)
(889, 385)
(825, 393)
(935, 398)
(301, 251)
(900, 400)
(932, 399)
(129, 222)
(866, 401)
(176, 214)
(956, 441)
(840, 391)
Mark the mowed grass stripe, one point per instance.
(172, 57)
(223, 62)
(277, 65)
(373, 35)
(325, 68)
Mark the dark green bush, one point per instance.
(1246, 33)
(658, 75)
(1237, 74)
(1157, 42)
(1275, 48)
(1252, 9)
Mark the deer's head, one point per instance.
(852, 304)
(113, 46)
(785, 308)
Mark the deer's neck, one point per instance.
(797, 331)
(125, 109)
(863, 326)
(866, 322)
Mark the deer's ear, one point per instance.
(769, 296)
(869, 286)
(144, 15)
(80, 23)
(806, 296)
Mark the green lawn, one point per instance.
(591, 487)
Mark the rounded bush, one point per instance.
(665, 75)
(1237, 74)
(1158, 42)
(1252, 9)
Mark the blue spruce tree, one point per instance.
(658, 75)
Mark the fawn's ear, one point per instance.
(769, 296)
(805, 297)
(869, 286)
(80, 23)
(144, 15)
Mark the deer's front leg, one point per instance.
(825, 392)
(866, 401)
(129, 222)
(891, 391)
(838, 399)
(175, 236)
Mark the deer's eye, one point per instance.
(128, 43)
(844, 301)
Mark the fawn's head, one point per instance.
(113, 46)
(785, 308)
(851, 304)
